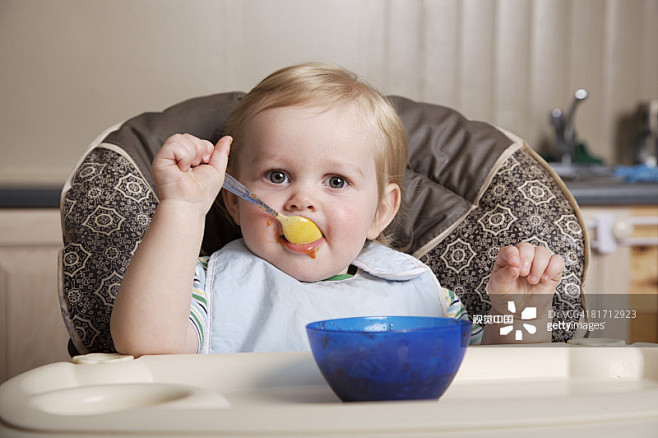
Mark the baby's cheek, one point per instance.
(348, 221)
(259, 229)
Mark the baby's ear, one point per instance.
(231, 204)
(388, 208)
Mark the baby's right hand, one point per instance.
(190, 169)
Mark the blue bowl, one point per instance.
(389, 357)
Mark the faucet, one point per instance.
(565, 133)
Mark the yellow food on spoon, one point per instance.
(298, 229)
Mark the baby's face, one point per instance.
(314, 163)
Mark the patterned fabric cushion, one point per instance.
(106, 212)
(522, 203)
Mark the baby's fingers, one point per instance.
(545, 266)
(505, 271)
(507, 256)
(527, 256)
(219, 157)
(537, 262)
(188, 150)
(202, 150)
(199, 150)
(554, 269)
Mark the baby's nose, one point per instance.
(300, 201)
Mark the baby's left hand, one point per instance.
(526, 275)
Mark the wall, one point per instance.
(70, 68)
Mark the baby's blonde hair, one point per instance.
(326, 85)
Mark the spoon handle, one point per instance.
(234, 186)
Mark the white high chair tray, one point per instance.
(550, 390)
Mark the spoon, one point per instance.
(296, 229)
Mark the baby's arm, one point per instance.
(526, 276)
(152, 307)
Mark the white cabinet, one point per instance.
(623, 271)
(32, 330)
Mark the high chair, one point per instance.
(470, 189)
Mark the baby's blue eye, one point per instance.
(278, 177)
(335, 182)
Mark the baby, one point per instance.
(312, 141)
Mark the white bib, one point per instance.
(254, 306)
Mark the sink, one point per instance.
(598, 185)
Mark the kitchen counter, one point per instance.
(612, 192)
(594, 185)
(30, 197)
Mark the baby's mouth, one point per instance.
(308, 248)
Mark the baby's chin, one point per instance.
(310, 275)
(310, 270)
(311, 265)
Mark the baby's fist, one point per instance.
(525, 270)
